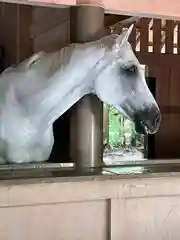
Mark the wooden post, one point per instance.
(157, 35)
(86, 142)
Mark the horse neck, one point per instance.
(70, 82)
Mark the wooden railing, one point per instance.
(157, 36)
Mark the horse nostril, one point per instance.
(157, 120)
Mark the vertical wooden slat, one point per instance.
(169, 36)
(25, 43)
(156, 35)
(144, 34)
(10, 33)
(178, 38)
(15, 37)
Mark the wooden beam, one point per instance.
(147, 8)
(87, 114)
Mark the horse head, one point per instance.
(122, 83)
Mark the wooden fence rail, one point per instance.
(157, 36)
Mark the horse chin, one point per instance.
(141, 128)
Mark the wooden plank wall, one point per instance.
(163, 63)
(50, 28)
(27, 29)
(14, 36)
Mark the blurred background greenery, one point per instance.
(121, 132)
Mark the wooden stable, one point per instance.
(156, 43)
(97, 207)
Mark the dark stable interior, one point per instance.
(150, 140)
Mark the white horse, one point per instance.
(39, 90)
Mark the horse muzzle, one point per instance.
(147, 121)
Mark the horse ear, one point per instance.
(124, 36)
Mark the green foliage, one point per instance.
(122, 131)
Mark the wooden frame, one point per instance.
(92, 208)
(147, 8)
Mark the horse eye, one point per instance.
(131, 70)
